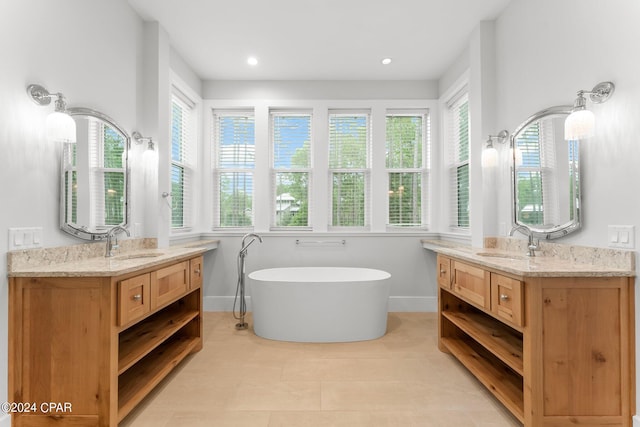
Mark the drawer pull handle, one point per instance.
(504, 297)
(197, 271)
(443, 271)
(136, 297)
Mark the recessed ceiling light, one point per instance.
(252, 60)
(386, 61)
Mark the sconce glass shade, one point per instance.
(61, 127)
(489, 157)
(579, 125)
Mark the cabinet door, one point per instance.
(133, 298)
(444, 272)
(471, 283)
(196, 272)
(506, 298)
(167, 284)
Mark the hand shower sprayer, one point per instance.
(245, 246)
(242, 306)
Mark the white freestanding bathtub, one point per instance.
(319, 304)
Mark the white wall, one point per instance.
(88, 51)
(412, 286)
(547, 50)
(413, 282)
(583, 42)
(351, 89)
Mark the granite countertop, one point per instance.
(552, 260)
(78, 261)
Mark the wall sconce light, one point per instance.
(581, 122)
(490, 154)
(150, 155)
(139, 139)
(60, 125)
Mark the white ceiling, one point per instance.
(320, 39)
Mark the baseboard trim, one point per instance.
(221, 303)
(413, 304)
(636, 421)
(396, 304)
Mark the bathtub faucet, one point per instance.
(245, 246)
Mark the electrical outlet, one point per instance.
(621, 236)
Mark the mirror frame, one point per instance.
(78, 231)
(559, 230)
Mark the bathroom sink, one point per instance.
(139, 255)
(502, 256)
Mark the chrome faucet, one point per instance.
(527, 232)
(243, 250)
(111, 234)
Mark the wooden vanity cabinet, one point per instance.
(555, 351)
(99, 345)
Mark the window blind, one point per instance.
(538, 199)
(107, 156)
(349, 151)
(458, 160)
(182, 160)
(234, 145)
(70, 165)
(291, 147)
(405, 150)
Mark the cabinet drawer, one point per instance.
(444, 272)
(506, 299)
(169, 283)
(195, 271)
(133, 298)
(471, 283)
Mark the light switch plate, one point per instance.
(621, 236)
(25, 238)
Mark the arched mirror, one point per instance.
(546, 175)
(94, 176)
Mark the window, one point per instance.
(349, 140)
(182, 161)
(405, 147)
(112, 176)
(107, 175)
(291, 156)
(70, 167)
(458, 144)
(538, 198)
(234, 144)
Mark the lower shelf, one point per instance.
(503, 341)
(142, 338)
(141, 378)
(506, 385)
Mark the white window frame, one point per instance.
(218, 171)
(273, 113)
(365, 171)
(96, 174)
(188, 164)
(423, 170)
(320, 191)
(451, 164)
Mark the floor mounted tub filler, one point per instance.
(319, 304)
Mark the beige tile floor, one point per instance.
(401, 379)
